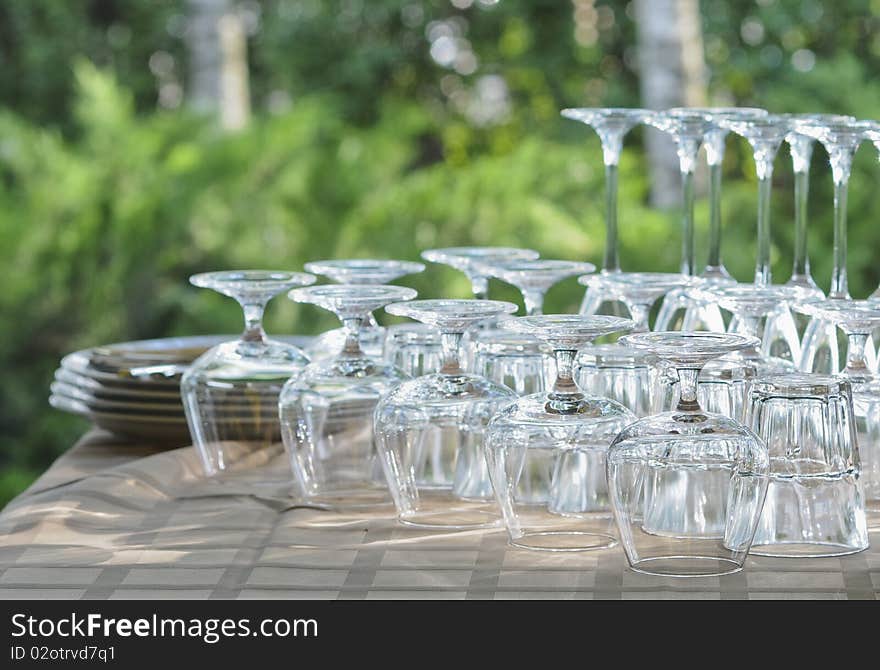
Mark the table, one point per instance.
(111, 520)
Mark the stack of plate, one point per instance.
(133, 388)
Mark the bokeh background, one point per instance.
(145, 140)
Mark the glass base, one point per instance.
(350, 499)
(563, 540)
(686, 566)
(453, 518)
(804, 550)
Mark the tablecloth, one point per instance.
(115, 520)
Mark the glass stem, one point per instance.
(839, 282)
(611, 259)
(687, 160)
(352, 327)
(639, 313)
(565, 398)
(450, 344)
(746, 324)
(714, 260)
(856, 365)
(480, 287)
(253, 321)
(534, 302)
(801, 149)
(687, 390)
(762, 265)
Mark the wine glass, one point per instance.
(840, 139)
(611, 125)
(765, 135)
(519, 360)
(546, 451)
(429, 431)
(230, 393)
(800, 146)
(472, 261)
(326, 411)
(613, 370)
(752, 308)
(857, 319)
(687, 486)
(687, 128)
(358, 271)
(714, 141)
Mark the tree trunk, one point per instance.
(218, 65)
(672, 73)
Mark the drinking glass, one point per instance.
(814, 505)
(687, 486)
(611, 125)
(857, 319)
(429, 431)
(714, 141)
(326, 411)
(472, 261)
(358, 271)
(546, 451)
(247, 373)
(613, 370)
(519, 360)
(840, 139)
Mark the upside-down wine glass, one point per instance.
(546, 451)
(687, 128)
(840, 139)
(800, 146)
(752, 308)
(514, 359)
(687, 486)
(358, 271)
(714, 141)
(611, 125)
(613, 370)
(230, 393)
(326, 411)
(765, 135)
(472, 261)
(430, 430)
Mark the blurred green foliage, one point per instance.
(361, 145)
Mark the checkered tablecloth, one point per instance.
(111, 520)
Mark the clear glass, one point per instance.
(326, 411)
(714, 142)
(415, 348)
(611, 125)
(814, 505)
(546, 451)
(753, 308)
(430, 430)
(764, 134)
(358, 271)
(800, 147)
(688, 130)
(687, 486)
(472, 261)
(840, 139)
(857, 319)
(230, 393)
(613, 370)
(519, 360)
